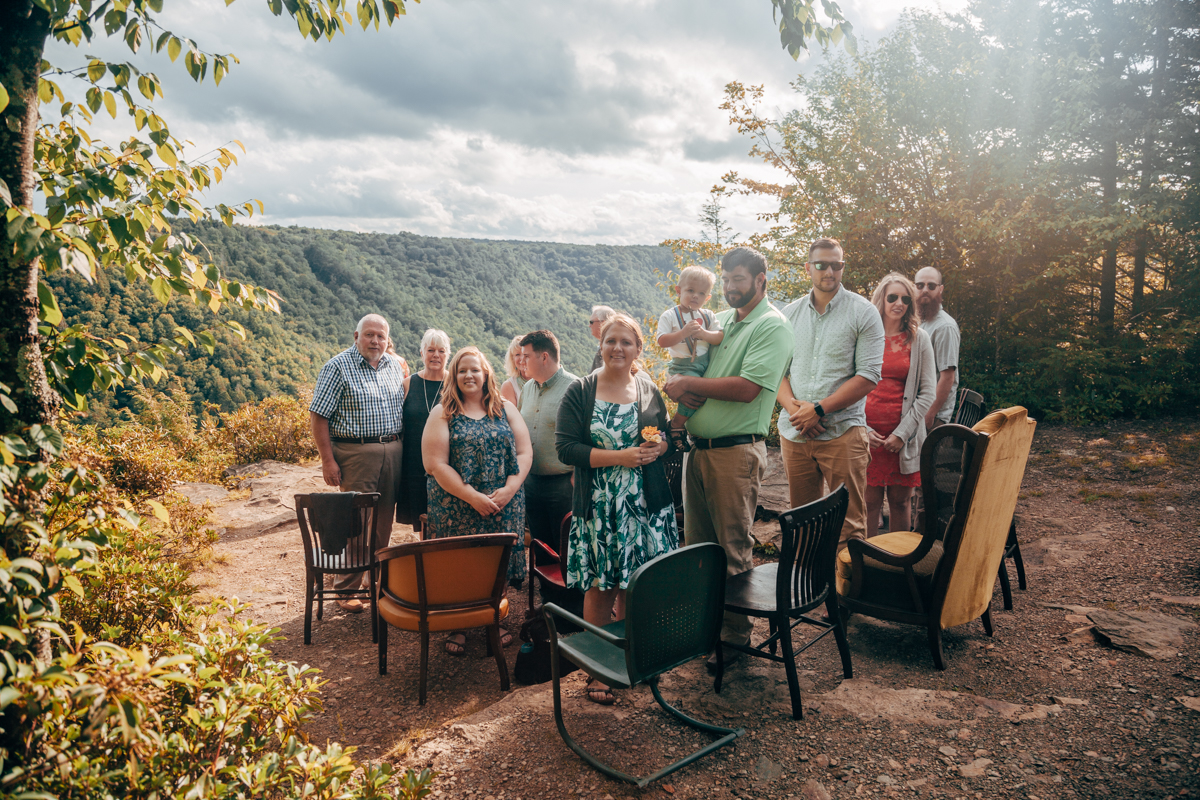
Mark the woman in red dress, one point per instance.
(896, 406)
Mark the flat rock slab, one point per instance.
(272, 486)
(199, 493)
(1146, 633)
(1194, 602)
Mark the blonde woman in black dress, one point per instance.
(422, 393)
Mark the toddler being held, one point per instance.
(688, 331)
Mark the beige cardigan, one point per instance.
(919, 392)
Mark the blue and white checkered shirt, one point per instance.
(360, 401)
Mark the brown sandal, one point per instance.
(601, 697)
(454, 647)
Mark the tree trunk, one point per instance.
(1108, 171)
(23, 31)
(1162, 36)
(1141, 247)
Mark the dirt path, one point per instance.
(1110, 520)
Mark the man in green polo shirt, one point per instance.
(734, 401)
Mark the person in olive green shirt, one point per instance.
(548, 487)
(733, 403)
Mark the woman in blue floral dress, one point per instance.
(623, 514)
(477, 452)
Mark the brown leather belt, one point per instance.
(391, 437)
(726, 441)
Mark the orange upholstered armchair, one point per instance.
(923, 578)
(450, 584)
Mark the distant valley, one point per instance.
(479, 292)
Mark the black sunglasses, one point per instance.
(891, 298)
(929, 285)
(836, 266)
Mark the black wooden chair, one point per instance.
(970, 408)
(673, 464)
(969, 411)
(801, 581)
(673, 611)
(357, 555)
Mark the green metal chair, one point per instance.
(673, 610)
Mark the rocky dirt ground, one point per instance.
(1109, 523)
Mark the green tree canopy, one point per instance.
(984, 145)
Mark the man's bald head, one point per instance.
(373, 318)
(929, 291)
(929, 274)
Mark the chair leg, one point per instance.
(772, 628)
(424, 667)
(1005, 588)
(838, 619)
(308, 604)
(789, 668)
(1020, 562)
(720, 668)
(498, 651)
(374, 609)
(383, 633)
(320, 594)
(935, 644)
(987, 620)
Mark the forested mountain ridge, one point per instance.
(480, 292)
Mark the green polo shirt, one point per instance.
(759, 349)
(539, 408)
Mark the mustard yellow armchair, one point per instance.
(923, 578)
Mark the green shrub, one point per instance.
(275, 428)
(213, 717)
(140, 581)
(194, 706)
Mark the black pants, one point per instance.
(547, 501)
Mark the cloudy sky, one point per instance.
(539, 120)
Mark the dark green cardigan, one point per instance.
(573, 441)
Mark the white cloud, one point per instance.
(528, 120)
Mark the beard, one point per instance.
(736, 299)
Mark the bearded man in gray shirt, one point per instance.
(943, 332)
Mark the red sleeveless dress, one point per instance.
(885, 405)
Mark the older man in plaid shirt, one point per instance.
(356, 416)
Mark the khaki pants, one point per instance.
(370, 468)
(809, 465)
(720, 495)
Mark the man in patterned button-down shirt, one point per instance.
(836, 361)
(356, 416)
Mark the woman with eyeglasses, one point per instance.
(896, 406)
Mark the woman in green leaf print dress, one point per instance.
(622, 511)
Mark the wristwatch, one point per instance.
(817, 408)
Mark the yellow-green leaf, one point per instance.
(159, 510)
(110, 103)
(72, 583)
(161, 290)
(50, 312)
(167, 155)
(3, 97)
(174, 48)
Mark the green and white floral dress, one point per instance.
(605, 551)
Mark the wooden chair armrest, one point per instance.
(549, 609)
(861, 547)
(545, 548)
